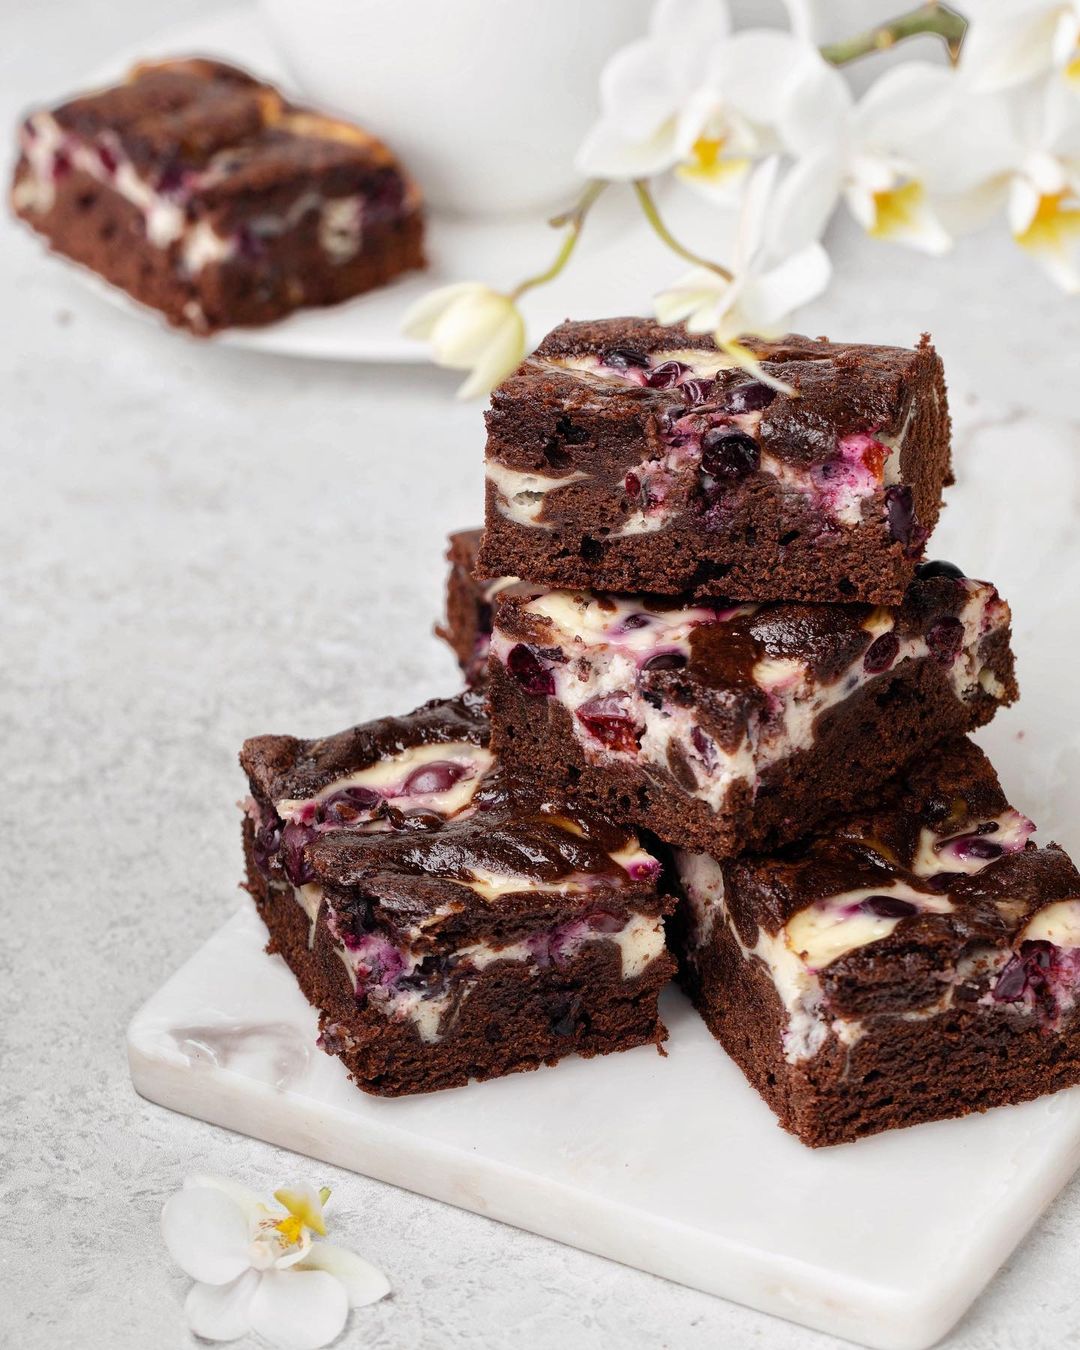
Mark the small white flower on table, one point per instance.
(256, 1267)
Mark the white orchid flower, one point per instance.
(1023, 160)
(778, 266)
(694, 97)
(470, 327)
(874, 153)
(1011, 41)
(257, 1268)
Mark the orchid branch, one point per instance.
(652, 214)
(932, 18)
(574, 219)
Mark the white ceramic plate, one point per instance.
(618, 267)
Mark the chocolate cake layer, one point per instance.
(727, 728)
(917, 960)
(203, 193)
(467, 629)
(627, 456)
(446, 926)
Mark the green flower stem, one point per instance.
(574, 219)
(934, 18)
(652, 215)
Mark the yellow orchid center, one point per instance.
(305, 1211)
(895, 209)
(1056, 216)
(291, 1230)
(706, 152)
(1072, 66)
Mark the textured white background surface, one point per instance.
(198, 544)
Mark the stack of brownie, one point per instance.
(716, 722)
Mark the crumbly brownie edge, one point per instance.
(467, 612)
(908, 1072)
(859, 744)
(504, 1025)
(93, 225)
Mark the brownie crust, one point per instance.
(254, 188)
(752, 537)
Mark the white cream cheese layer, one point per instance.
(615, 638)
(340, 223)
(390, 778)
(640, 941)
(821, 933)
(521, 495)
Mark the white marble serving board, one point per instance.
(670, 1164)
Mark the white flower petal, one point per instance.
(635, 88)
(463, 332)
(253, 1204)
(299, 1309)
(754, 213)
(221, 1312)
(816, 109)
(607, 152)
(504, 353)
(421, 317)
(753, 70)
(770, 298)
(363, 1283)
(1003, 49)
(805, 200)
(206, 1233)
(694, 300)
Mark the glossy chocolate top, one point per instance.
(287, 767)
(515, 860)
(943, 855)
(837, 388)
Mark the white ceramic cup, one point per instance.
(486, 101)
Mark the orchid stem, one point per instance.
(574, 219)
(652, 215)
(933, 17)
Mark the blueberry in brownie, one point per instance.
(448, 924)
(727, 727)
(627, 456)
(916, 960)
(203, 193)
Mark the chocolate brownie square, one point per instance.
(723, 728)
(917, 960)
(467, 629)
(446, 927)
(627, 456)
(203, 193)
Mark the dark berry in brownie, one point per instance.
(627, 456)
